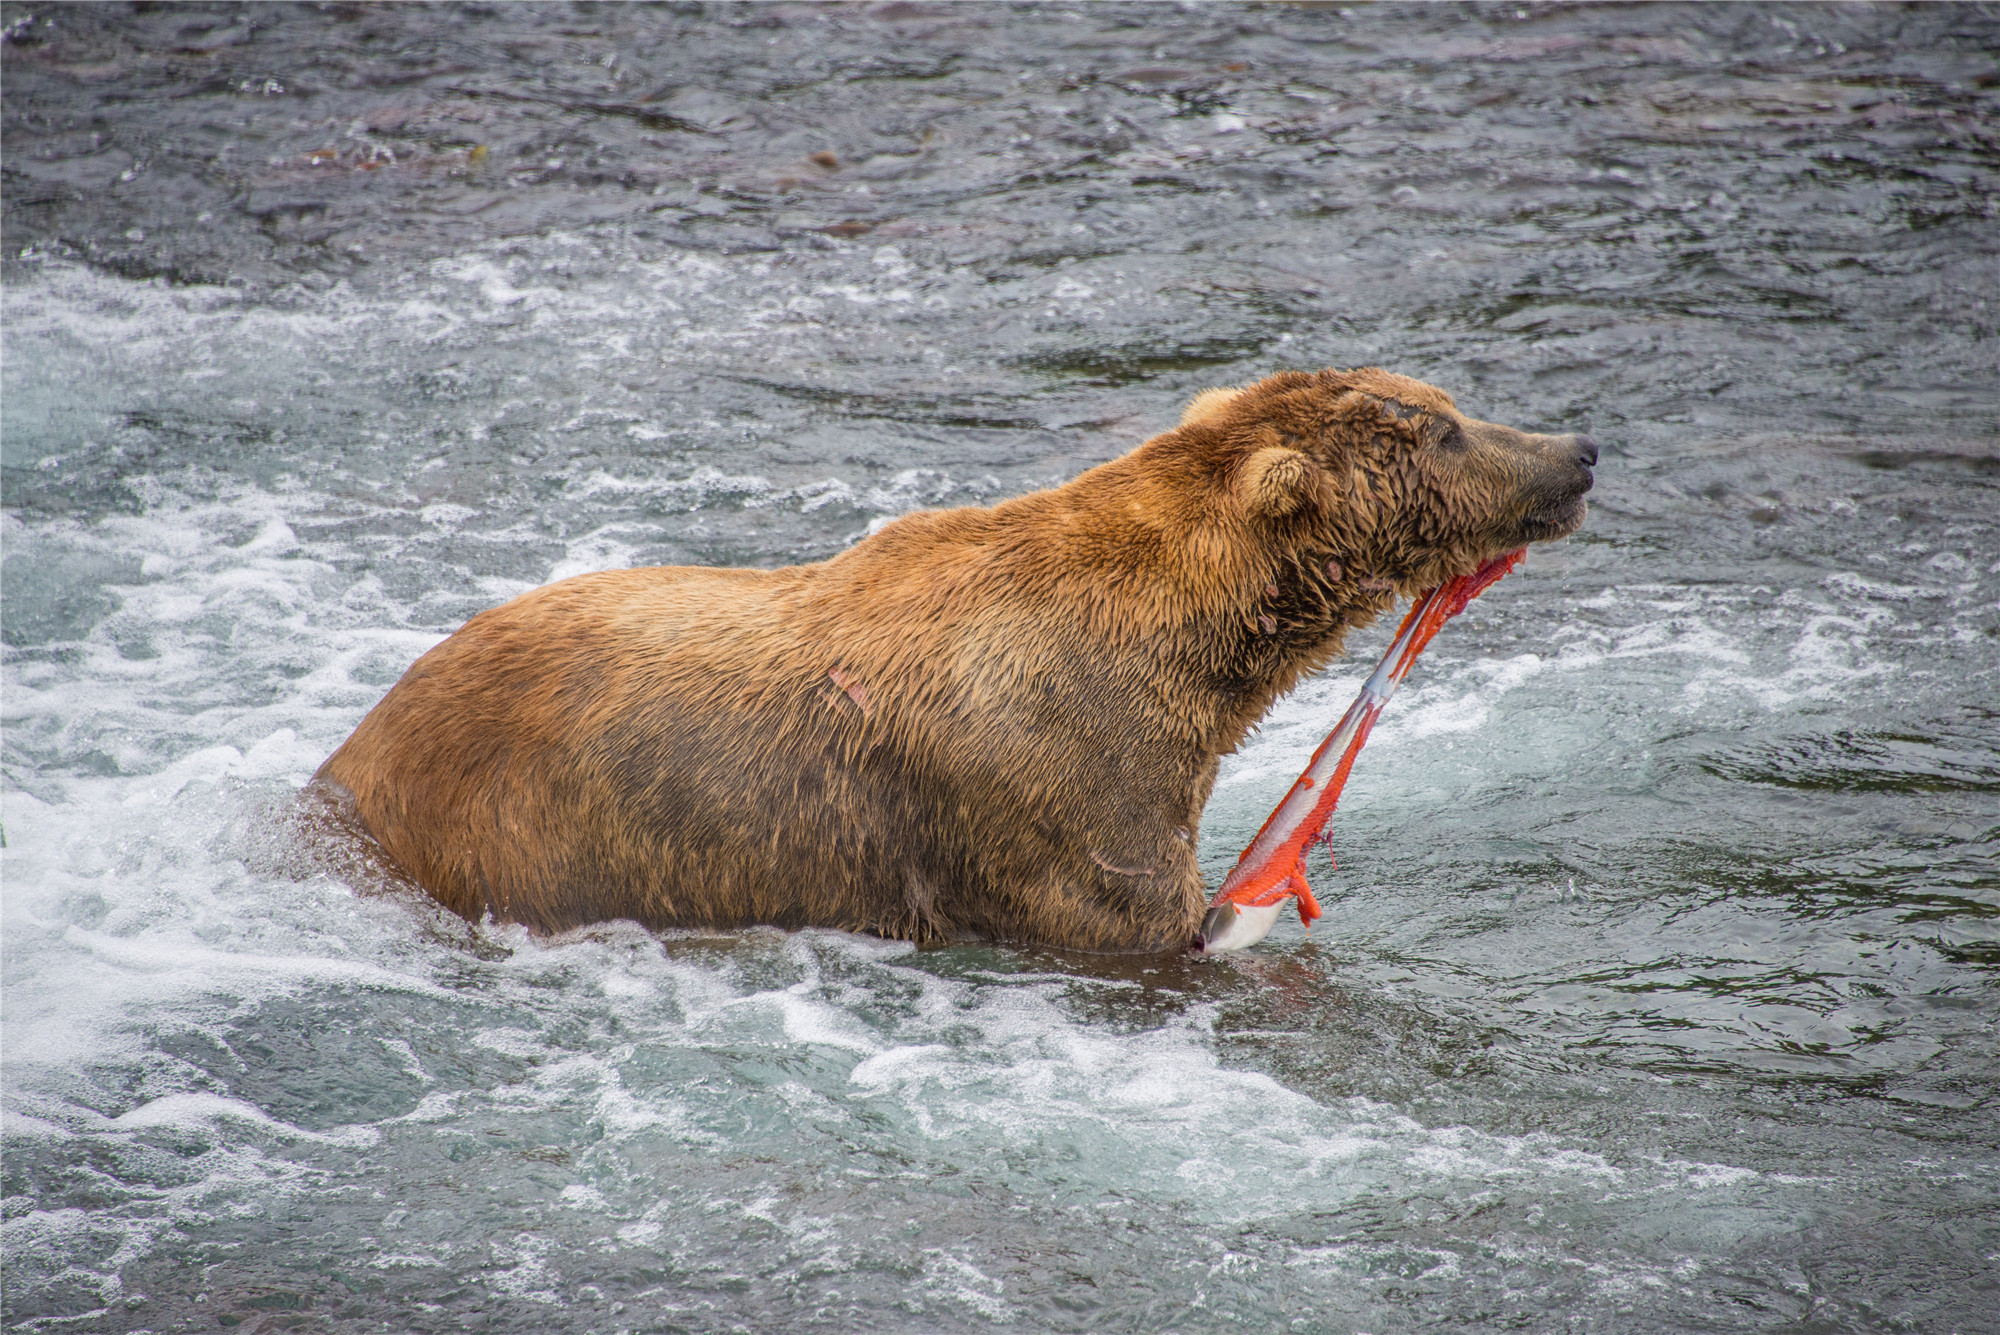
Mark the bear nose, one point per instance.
(1586, 451)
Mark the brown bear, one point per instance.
(999, 723)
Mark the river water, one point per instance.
(1657, 986)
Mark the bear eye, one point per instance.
(1450, 436)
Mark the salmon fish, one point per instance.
(1273, 868)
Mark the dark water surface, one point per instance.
(1657, 987)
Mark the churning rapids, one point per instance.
(1657, 986)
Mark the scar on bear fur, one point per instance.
(999, 723)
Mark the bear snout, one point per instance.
(1570, 462)
(1586, 459)
(1555, 476)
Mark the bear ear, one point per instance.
(1276, 481)
(1207, 406)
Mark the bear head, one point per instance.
(1385, 471)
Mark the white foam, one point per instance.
(202, 1112)
(962, 1284)
(531, 1275)
(809, 1020)
(187, 959)
(1142, 1101)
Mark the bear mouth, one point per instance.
(1558, 521)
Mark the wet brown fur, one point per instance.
(994, 722)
